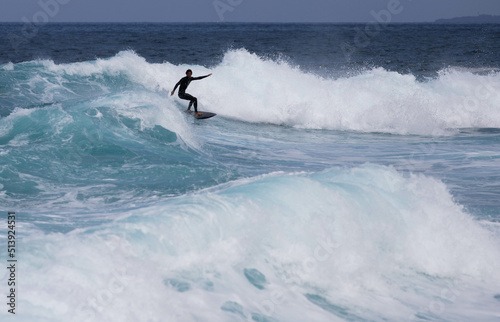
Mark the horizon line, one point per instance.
(229, 22)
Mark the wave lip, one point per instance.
(250, 88)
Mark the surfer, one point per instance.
(184, 83)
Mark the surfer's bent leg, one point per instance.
(195, 102)
(192, 100)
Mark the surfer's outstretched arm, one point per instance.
(201, 77)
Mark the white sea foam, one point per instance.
(247, 87)
(336, 244)
(250, 88)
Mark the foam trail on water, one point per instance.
(339, 244)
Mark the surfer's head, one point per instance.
(189, 72)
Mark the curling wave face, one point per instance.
(255, 89)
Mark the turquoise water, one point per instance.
(315, 194)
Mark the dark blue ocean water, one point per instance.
(349, 174)
(420, 49)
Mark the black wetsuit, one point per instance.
(184, 83)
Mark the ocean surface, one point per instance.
(352, 172)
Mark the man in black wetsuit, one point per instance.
(184, 83)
